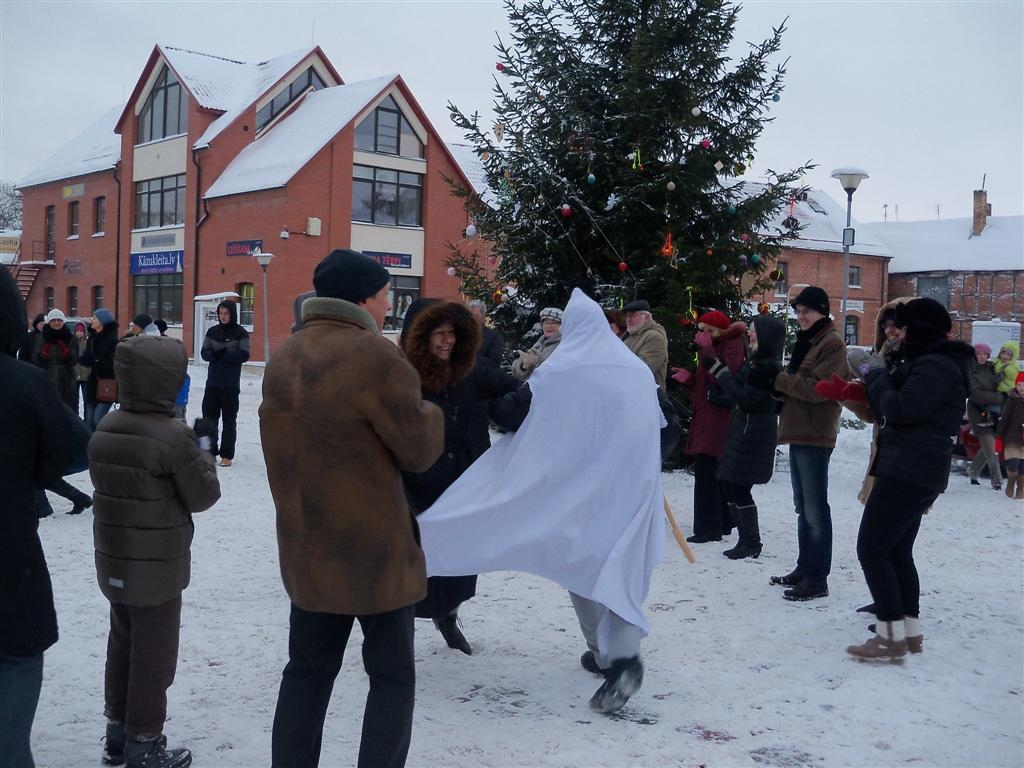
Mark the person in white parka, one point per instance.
(574, 496)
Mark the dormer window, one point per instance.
(287, 95)
(386, 130)
(166, 110)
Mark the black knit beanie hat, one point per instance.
(349, 275)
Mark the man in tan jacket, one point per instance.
(342, 415)
(810, 424)
(647, 339)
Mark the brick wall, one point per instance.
(972, 295)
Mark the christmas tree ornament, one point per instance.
(740, 169)
(709, 252)
(485, 156)
(613, 200)
(566, 210)
(695, 111)
(776, 98)
(492, 260)
(684, 321)
(504, 298)
(540, 197)
(591, 179)
(667, 249)
(763, 308)
(777, 275)
(623, 266)
(500, 67)
(671, 186)
(499, 132)
(743, 260)
(637, 165)
(744, 237)
(731, 209)
(496, 296)
(451, 271)
(471, 231)
(719, 165)
(755, 259)
(706, 143)
(722, 268)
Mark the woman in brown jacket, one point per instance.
(150, 477)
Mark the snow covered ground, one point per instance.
(735, 675)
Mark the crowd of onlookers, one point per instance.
(361, 436)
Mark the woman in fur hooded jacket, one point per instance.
(440, 339)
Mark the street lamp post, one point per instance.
(263, 259)
(850, 179)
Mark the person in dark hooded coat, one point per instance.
(919, 405)
(440, 340)
(57, 354)
(226, 349)
(32, 339)
(34, 453)
(99, 356)
(749, 455)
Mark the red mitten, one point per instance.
(853, 391)
(681, 375)
(833, 389)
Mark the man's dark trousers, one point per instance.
(218, 402)
(316, 646)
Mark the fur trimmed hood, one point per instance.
(423, 317)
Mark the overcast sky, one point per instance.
(927, 97)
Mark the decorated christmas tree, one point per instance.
(619, 162)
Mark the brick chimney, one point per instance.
(982, 210)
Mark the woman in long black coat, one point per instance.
(749, 455)
(919, 405)
(440, 339)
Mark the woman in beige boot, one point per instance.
(918, 405)
(1011, 429)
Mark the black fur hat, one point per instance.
(926, 321)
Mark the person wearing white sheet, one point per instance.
(574, 495)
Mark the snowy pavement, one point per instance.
(735, 675)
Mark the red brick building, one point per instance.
(815, 257)
(974, 267)
(165, 200)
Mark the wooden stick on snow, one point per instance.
(678, 533)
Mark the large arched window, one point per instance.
(166, 110)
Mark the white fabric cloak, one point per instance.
(575, 495)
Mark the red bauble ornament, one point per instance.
(706, 143)
(566, 210)
(684, 321)
(709, 252)
(623, 266)
(500, 67)
(744, 237)
(763, 308)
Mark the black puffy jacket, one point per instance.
(919, 407)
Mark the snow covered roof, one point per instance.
(97, 148)
(473, 169)
(823, 221)
(924, 246)
(225, 85)
(273, 159)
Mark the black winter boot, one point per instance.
(155, 754)
(749, 544)
(113, 750)
(448, 626)
(623, 679)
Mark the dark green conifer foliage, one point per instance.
(619, 110)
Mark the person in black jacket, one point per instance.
(919, 406)
(32, 339)
(225, 348)
(440, 339)
(33, 453)
(749, 455)
(99, 355)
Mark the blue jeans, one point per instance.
(21, 678)
(808, 470)
(96, 414)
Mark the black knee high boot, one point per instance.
(749, 544)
